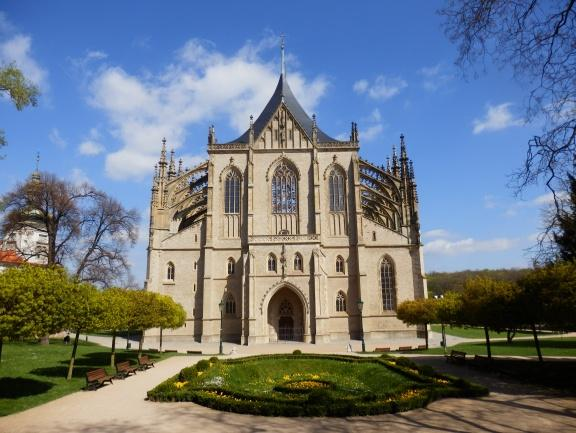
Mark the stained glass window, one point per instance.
(232, 193)
(336, 191)
(284, 190)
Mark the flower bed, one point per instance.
(311, 385)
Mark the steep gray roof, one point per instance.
(283, 93)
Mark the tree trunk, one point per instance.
(160, 339)
(537, 343)
(140, 344)
(510, 333)
(487, 334)
(128, 340)
(113, 353)
(444, 338)
(426, 334)
(73, 357)
(1, 341)
(45, 340)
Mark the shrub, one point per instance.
(294, 394)
(214, 360)
(297, 352)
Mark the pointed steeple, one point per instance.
(211, 135)
(395, 167)
(162, 162)
(180, 162)
(172, 166)
(36, 173)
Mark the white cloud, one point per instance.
(79, 177)
(469, 245)
(90, 146)
(371, 132)
(382, 88)
(201, 84)
(497, 117)
(435, 77)
(436, 233)
(17, 49)
(360, 86)
(55, 137)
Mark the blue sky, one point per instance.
(116, 77)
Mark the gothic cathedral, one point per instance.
(286, 234)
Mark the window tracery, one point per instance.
(341, 302)
(230, 266)
(229, 304)
(170, 271)
(284, 190)
(336, 191)
(388, 284)
(271, 263)
(232, 193)
(340, 264)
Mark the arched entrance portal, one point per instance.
(286, 316)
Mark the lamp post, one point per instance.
(360, 306)
(221, 305)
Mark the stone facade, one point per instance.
(282, 231)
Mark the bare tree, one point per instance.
(537, 39)
(87, 231)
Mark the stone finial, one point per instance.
(172, 166)
(211, 135)
(180, 162)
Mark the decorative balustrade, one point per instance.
(278, 239)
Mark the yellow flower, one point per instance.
(199, 373)
(179, 385)
(286, 377)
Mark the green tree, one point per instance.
(565, 235)
(20, 91)
(82, 311)
(418, 312)
(170, 315)
(142, 316)
(32, 301)
(114, 317)
(489, 303)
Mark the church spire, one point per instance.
(172, 166)
(36, 173)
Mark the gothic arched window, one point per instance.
(284, 190)
(229, 304)
(388, 284)
(336, 191)
(230, 266)
(170, 271)
(340, 265)
(232, 193)
(298, 262)
(340, 301)
(272, 263)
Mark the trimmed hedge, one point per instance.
(317, 400)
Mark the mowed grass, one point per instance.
(32, 374)
(560, 346)
(259, 378)
(470, 332)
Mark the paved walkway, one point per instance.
(122, 408)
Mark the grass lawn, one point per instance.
(469, 332)
(550, 347)
(310, 385)
(32, 374)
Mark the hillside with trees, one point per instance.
(441, 282)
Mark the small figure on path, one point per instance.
(67, 338)
(233, 351)
(349, 348)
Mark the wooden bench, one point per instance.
(144, 362)
(481, 361)
(124, 369)
(97, 378)
(382, 349)
(422, 347)
(457, 357)
(170, 351)
(194, 352)
(405, 348)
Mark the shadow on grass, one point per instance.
(61, 371)
(16, 387)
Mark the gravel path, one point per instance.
(122, 408)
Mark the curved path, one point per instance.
(122, 408)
